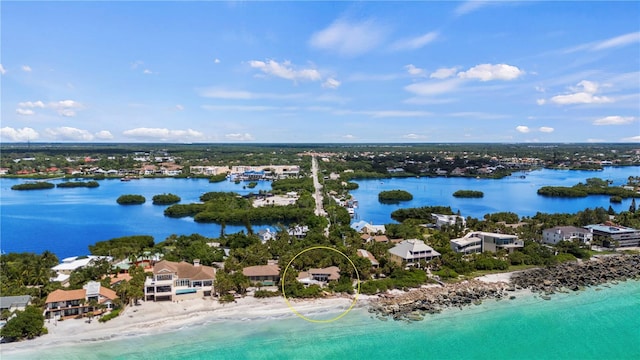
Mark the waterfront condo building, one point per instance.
(616, 235)
(481, 241)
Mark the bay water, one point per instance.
(66, 221)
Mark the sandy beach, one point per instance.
(152, 317)
(155, 317)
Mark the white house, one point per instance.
(566, 233)
(448, 220)
(481, 241)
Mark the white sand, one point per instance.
(494, 278)
(153, 317)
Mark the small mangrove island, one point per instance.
(593, 186)
(75, 184)
(468, 194)
(166, 199)
(394, 196)
(40, 185)
(131, 199)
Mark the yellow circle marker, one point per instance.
(353, 303)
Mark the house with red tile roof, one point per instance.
(71, 303)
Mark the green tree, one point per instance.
(26, 324)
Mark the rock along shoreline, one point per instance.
(413, 305)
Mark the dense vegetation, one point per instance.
(166, 199)
(394, 196)
(122, 247)
(74, 184)
(131, 199)
(218, 178)
(231, 208)
(468, 194)
(593, 186)
(27, 274)
(421, 213)
(38, 185)
(27, 324)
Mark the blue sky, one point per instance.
(296, 72)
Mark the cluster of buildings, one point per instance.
(612, 235)
(244, 172)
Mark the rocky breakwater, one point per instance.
(576, 275)
(414, 304)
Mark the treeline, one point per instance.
(286, 185)
(218, 178)
(593, 186)
(122, 247)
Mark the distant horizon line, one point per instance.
(313, 143)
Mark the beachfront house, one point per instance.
(368, 255)
(481, 241)
(319, 276)
(566, 233)
(13, 303)
(411, 252)
(267, 275)
(179, 280)
(70, 303)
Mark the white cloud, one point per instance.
(69, 133)
(239, 137)
(433, 88)
(384, 113)
(443, 73)
(26, 68)
(147, 71)
(31, 104)
(24, 134)
(412, 70)
(163, 134)
(487, 72)
(239, 107)
(583, 93)
(413, 136)
(331, 83)
(136, 64)
(546, 129)
(65, 107)
(216, 61)
(349, 137)
(614, 120)
(179, 107)
(617, 41)
(221, 93)
(469, 6)
(104, 135)
(2, 70)
(523, 129)
(416, 42)
(285, 70)
(24, 112)
(349, 38)
(541, 101)
(632, 139)
(591, 140)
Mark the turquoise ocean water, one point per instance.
(590, 324)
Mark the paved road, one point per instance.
(318, 187)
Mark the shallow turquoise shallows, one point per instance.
(591, 324)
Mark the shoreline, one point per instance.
(150, 318)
